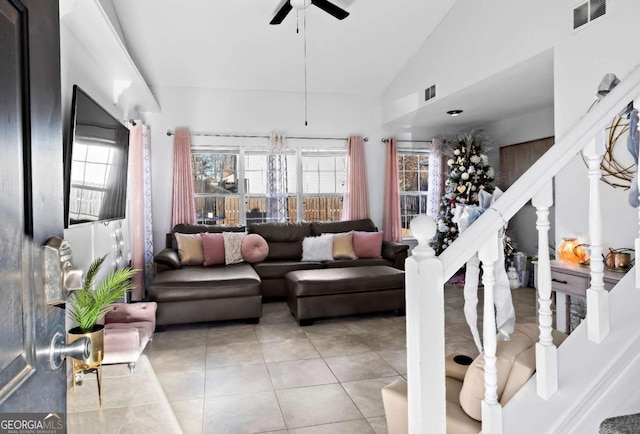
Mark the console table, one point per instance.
(572, 280)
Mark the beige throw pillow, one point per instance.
(343, 246)
(190, 249)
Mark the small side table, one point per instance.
(572, 280)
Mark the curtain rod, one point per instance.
(386, 140)
(258, 136)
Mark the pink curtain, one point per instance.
(356, 195)
(183, 207)
(391, 223)
(136, 208)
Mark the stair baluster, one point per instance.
(491, 408)
(546, 352)
(597, 296)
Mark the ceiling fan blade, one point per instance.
(284, 10)
(331, 9)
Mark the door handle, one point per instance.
(79, 349)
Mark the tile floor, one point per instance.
(274, 377)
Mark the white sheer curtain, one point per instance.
(277, 197)
(148, 220)
(436, 187)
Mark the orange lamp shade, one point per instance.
(569, 251)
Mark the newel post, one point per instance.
(424, 283)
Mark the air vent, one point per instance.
(588, 12)
(430, 93)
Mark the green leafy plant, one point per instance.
(88, 306)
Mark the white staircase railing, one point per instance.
(426, 273)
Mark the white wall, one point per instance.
(258, 112)
(519, 129)
(581, 60)
(480, 38)
(477, 39)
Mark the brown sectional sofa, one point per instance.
(195, 293)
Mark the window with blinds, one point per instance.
(231, 185)
(413, 174)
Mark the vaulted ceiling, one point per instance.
(229, 44)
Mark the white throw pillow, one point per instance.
(233, 247)
(318, 248)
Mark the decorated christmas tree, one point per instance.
(469, 172)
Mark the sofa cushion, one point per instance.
(213, 247)
(190, 249)
(254, 248)
(233, 247)
(317, 249)
(367, 244)
(277, 269)
(196, 283)
(365, 225)
(281, 232)
(184, 228)
(343, 246)
(341, 263)
(285, 251)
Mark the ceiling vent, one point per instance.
(588, 11)
(430, 93)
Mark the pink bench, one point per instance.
(127, 329)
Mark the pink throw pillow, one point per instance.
(254, 248)
(367, 244)
(213, 246)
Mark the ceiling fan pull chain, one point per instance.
(297, 20)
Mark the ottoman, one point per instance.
(331, 292)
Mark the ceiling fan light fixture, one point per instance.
(456, 112)
(300, 4)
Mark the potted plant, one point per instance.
(88, 306)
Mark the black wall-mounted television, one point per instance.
(95, 164)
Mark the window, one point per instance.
(231, 185)
(323, 181)
(413, 173)
(215, 184)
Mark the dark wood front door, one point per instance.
(31, 204)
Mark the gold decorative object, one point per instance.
(94, 361)
(569, 250)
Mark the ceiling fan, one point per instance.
(325, 5)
